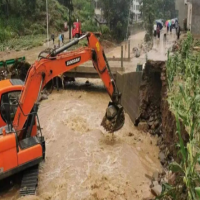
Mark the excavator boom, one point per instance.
(42, 71)
(22, 146)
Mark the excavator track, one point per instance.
(29, 181)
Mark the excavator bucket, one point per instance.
(114, 118)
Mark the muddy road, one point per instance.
(82, 161)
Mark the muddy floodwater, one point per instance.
(82, 161)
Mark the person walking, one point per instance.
(170, 28)
(176, 25)
(52, 37)
(154, 28)
(62, 37)
(158, 32)
(178, 32)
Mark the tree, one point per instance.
(148, 11)
(116, 13)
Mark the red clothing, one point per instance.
(158, 30)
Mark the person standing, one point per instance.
(52, 37)
(176, 25)
(154, 28)
(62, 37)
(158, 32)
(170, 28)
(167, 27)
(178, 32)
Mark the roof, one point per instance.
(10, 82)
(5, 83)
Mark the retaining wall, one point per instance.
(129, 85)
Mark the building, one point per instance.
(135, 10)
(99, 17)
(182, 11)
(190, 10)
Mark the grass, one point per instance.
(23, 42)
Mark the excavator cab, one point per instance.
(10, 91)
(16, 154)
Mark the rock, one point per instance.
(137, 54)
(147, 198)
(163, 78)
(171, 179)
(162, 157)
(159, 142)
(156, 123)
(155, 176)
(43, 97)
(150, 123)
(130, 134)
(143, 126)
(151, 119)
(156, 190)
(155, 183)
(162, 147)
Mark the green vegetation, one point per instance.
(84, 12)
(116, 13)
(23, 23)
(23, 42)
(183, 73)
(21, 17)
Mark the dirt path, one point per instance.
(82, 163)
(135, 40)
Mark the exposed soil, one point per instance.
(154, 108)
(82, 161)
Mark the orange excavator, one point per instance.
(22, 146)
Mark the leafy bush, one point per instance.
(89, 26)
(105, 29)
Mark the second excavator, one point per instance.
(22, 146)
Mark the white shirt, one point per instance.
(155, 27)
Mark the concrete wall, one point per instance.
(182, 11)
(129, 86)
(195, 29)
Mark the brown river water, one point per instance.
(82, 161)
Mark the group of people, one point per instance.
(169, 28)
(60, 38)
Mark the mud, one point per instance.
(82, 160)
(155, 111)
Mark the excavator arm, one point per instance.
(58, 62)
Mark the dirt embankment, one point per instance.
(155, 114)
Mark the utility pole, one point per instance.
(128, 19)
(47, 22)
(70, 23)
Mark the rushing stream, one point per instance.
(82, 161)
